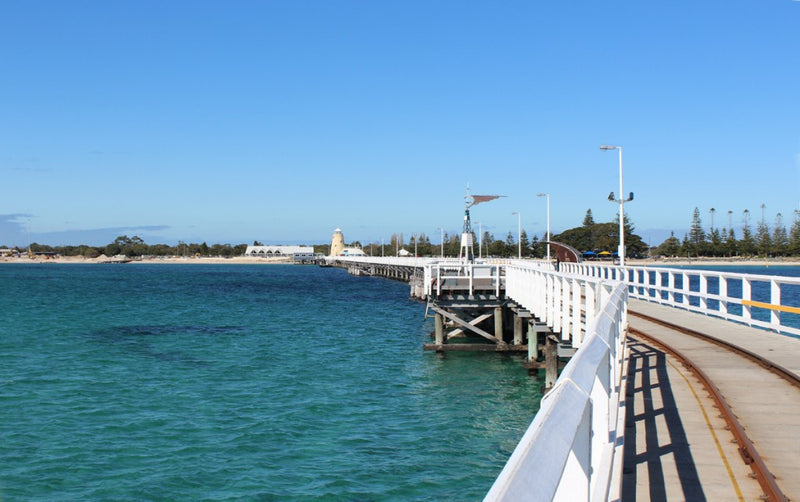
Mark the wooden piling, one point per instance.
(533, 342)
(551, 363)
(498, 323)
(517, 329)
(439, 328)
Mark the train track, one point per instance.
(681, 342)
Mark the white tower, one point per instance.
(337, 242)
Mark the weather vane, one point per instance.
(466, 250)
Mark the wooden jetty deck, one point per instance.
(678, 447)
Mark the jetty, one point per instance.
(663, 383)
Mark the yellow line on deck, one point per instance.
(713, 434)
(782, 308)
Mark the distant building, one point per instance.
(337, 242)
(352, 252)
(338, 248)
(296, 253)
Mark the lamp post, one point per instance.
(547, 195)
(519, 234)
(480, 240)
(621, 201)
(441, 239)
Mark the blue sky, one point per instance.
(280, 121)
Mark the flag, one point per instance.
(477, 199)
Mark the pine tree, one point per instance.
(588, 220)
(525, 243)
(747, 245)
(780, 241)
(731, 244)
(697, 235)
(794, 235)
(670, 247)
(536, 247)
(763, 240)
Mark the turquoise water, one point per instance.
(235, 382)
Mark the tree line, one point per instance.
(762, 241)
(136, 247)
(590, 236)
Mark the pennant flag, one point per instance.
(477, 199)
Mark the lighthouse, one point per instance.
(337, 243)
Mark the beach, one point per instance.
(189, 260)
(249, 260)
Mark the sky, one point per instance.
(229, 122)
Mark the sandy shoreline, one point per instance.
(238, 260)
(244, 260)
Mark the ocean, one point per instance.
(238, 382)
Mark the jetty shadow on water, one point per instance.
(651, 412)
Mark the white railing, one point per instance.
(465, 277)
(398, 261)
(766, 301)
(565, 302)
(573, 449)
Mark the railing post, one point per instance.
(723, 296)
(703, 292)
(671, 285)
(471, 273)
(590, 301)
(747, 294)
(565, 310)
(686, 289)
(497, 280)
(557, 306)
(775, 299)
(577, 335)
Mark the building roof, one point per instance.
(278, 250)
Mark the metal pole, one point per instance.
(547, 195)
(621, 250)
(519, 235)
(548, 227)
(480, 240)
(441, 240)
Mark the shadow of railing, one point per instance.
(648, 385)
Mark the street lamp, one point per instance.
(548, 222)
(519, 234)
(480, 240)
(621, 202)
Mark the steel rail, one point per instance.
(771, 366)
(747, 450)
